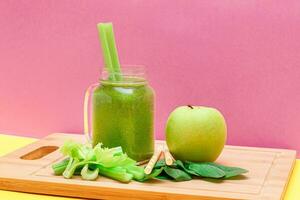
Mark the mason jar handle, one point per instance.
(86, 112)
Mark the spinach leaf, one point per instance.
(162, 163)
(206, 170)
(229, 171)
(159, 164)
(154, 174)
(164, 176)
(182, 166)
(177, 174)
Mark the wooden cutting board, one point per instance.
(29, 170)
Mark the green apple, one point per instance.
(196, 133)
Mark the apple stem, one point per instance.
(190, 106)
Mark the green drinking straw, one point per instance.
(109, 50)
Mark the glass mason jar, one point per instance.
(122, 113)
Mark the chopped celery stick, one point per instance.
(136, 171)
(117, 173)
(60, 167)
(90, 162)
(87, 174)
(71, 167)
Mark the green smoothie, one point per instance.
(123, 116)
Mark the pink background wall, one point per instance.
(242, 57)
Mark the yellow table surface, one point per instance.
(10, 143)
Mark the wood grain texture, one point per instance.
(269, 171)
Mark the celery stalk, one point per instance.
(136, 171)
(87, 174)
(113, 50)
(71, 167)
(117, 173)
(60, 167)
(89, 162)
(105, 50)
(109, 50)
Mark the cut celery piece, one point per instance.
(90, 162)
(71, 167)
(117, 173)
(87, 174)
(136, 171)
(60, 167)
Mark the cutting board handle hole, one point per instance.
(39, 153)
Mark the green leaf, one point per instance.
(177, 174)
(87, 174)
(159, 164)
(164, 176)
(75, 150)
(111, 157)
(154, 174)
(182, 166)
(206, 170)
(229, 171)
(78, 171)
(162, 163)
